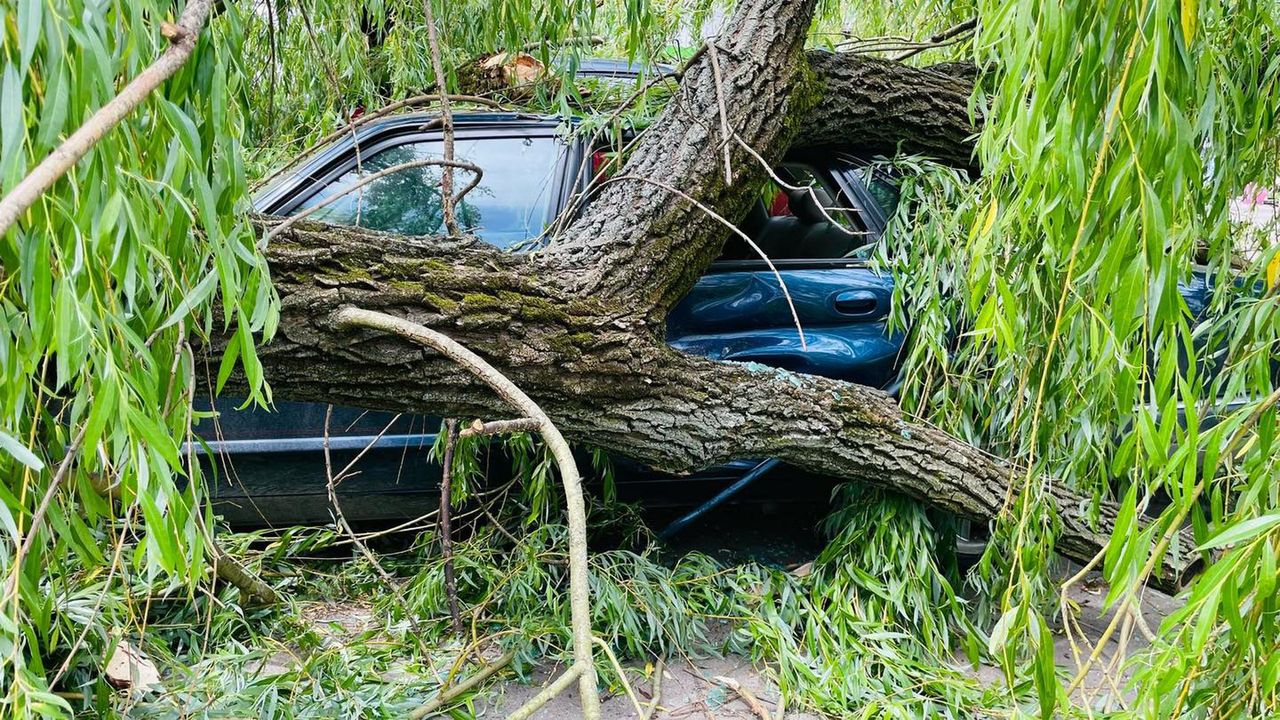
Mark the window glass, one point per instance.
(883, 190)
(508, 206)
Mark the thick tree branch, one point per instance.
(885, 107)
(603, 375)
(636, 243)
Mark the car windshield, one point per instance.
(508, 206)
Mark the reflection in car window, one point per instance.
(509, 205)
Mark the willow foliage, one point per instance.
(1042, 299)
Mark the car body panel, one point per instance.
(745, 317)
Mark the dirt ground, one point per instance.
(690, 690)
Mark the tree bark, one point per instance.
(579, 326)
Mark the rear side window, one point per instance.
(810, 218)
(509, 205)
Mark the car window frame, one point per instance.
(339, 159)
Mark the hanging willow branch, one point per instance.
(182, 41)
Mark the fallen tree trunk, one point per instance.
(579, 326)
(605, 376)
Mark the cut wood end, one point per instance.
(171, 32)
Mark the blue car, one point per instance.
(270, 464)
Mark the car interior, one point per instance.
(806, 219)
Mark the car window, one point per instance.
(882, 187)
(508, 206)
(806, 217)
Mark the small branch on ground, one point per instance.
(655, 691)
(750, 699)
(453, 693)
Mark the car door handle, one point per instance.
(857, 303)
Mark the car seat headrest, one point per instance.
(807, 203)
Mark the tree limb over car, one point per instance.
(579, 325)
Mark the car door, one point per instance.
(270, 463)
(816, 227)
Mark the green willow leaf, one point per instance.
(20, 452)
(1241, 532)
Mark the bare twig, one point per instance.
(751, 700)
(182, 41)
(499, 427)
(294, 219)
(579, 589)
(453, 693)
(784, 184)
(446, 532)
(934, 41)
(446, 116)
(714, 55)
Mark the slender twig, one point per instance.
(182, 41)
(714, 56)
(807, 188)
(446, 532)
(346, 469)
(575, 507)
(456, 691)
(446, 117)
(950, 33)
(37, 518)
(622, 676)
(273, 65)
(276, 231)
